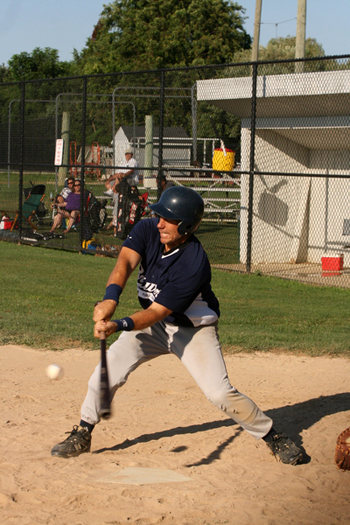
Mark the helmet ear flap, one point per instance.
(185, 228)
(182, 228)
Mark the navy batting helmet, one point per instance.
(181, 204)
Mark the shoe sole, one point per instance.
(59, 454)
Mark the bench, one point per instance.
(221, 196)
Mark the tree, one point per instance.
(4, 74)
(39, 64)
(154, 34)
(282, 48)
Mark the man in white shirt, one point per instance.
(130, 173)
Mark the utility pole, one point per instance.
(256, 37)
(300, 36)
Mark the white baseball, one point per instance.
(54, 372)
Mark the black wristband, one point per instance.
(126, 324)
(113, 291)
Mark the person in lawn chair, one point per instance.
(62, 197)
(69, 209)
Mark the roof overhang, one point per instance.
(311, 109)
(323, 93)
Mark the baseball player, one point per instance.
(179, 316)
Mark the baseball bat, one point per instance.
(105, 398)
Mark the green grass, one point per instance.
(48, 296)
(47, 299)
(271, 314)
(220, 241)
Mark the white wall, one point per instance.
(295, 219)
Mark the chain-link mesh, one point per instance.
(266, 144)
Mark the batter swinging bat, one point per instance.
(105, 400)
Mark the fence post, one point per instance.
(148, 181)
(21, 161)
(82, 173)
(63, 170)
(194, 121)
(161, 126)
(251, 168)
(9, 145)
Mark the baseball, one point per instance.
(54, 372)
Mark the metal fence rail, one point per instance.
(266, 144)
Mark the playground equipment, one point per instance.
(92, 160)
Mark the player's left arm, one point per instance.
(140, 320)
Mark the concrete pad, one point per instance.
(142, 476)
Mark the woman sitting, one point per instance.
(69, 209)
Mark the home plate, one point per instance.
(142, 476)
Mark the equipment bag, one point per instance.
(130, 209)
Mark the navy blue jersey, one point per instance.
(178, 279)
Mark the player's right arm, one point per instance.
(127, 261)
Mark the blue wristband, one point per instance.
(113, 291)
(126, 324)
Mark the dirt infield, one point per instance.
(162, 422)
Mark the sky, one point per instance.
(66, 25)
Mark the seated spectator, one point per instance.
(68, 187)
(69, 209)
(61, 197)
(164, 184)
(129, 173)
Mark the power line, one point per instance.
(276, 24)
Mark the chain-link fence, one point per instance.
(266, 144)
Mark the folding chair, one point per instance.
(29, 207)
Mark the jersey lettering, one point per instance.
(145, 289)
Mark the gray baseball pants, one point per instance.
(199, 350)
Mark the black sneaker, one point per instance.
(283, 448)
(77, 442)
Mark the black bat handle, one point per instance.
(105, 401)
